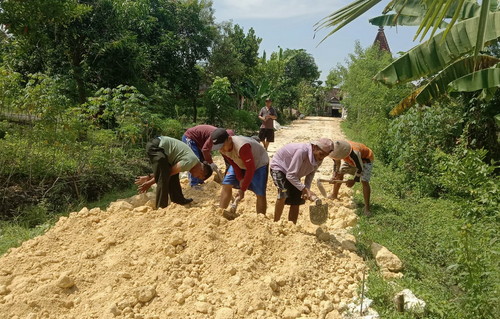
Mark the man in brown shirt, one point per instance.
(267, 115)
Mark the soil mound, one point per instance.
(131, 261)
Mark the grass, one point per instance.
(37, 220)
(422, 233)
(426, 234)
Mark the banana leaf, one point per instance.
(438, 86)
(434, 55)
(482, 79)
(344, 16)
(406, 103)
(392, 20)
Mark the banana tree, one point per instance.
(443, 58)
(440, 84)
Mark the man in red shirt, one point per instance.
(249, 167)
(198, 139)
(357, 160)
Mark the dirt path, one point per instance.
(131, 261)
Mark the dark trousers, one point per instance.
(165, 184)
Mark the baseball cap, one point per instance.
(325, 144)
(219, 136)
(341, 149)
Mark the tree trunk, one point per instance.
(76, 60)
(195, 110)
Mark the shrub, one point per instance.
(218, 102)
(244, 122)
(412, 139)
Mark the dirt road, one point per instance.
(131, 261)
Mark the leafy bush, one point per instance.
(218, 102)
(412, 139)
(171, 127)
(58, 174)
(244, 122)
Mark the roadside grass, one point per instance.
(455, 281)
(422, 232)
(36, 220)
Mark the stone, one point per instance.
(142, 209)
(272, 283)
(203, 307)
(177, 238)
(386, 274)
(386, 259)
(290, 313)
(114, 310)
(4, 290)
(119, 206)
(411, 302)
(65, 281)
(146, 293)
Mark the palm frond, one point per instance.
(438, 86)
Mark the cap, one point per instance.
(325, 144)
(269, 99)
(341, 149)
(219, 136)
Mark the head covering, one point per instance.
(325, 144)
(341, 149)
(269, 99)
(219, 136)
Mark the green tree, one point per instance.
(444, 60)
(299, 67)
(235, 56)
(368, 103)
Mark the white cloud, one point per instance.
(273, 9)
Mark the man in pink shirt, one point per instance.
(249, 167)
(289, 164)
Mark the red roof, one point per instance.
(382, 40)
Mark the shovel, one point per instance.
(230, 213)
(318, 213)
(322, 188)
(218, 176)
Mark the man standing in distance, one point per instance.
(267, 115)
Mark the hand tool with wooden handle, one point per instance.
(318, 213)
(230, 213)
(322, 188)
(331, 181)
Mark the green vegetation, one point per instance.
(435, 193)
(85, 85)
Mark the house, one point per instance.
(334, 107)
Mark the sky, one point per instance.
(289, 24)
